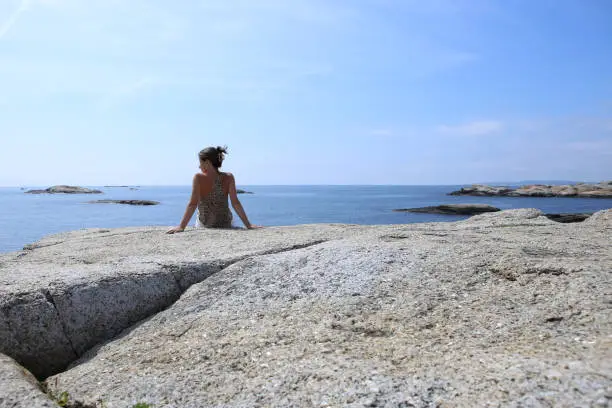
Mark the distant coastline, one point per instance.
(602, 189)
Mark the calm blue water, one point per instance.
(25, 218)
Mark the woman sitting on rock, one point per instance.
(209, 194)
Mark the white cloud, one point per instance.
(13, 17)
(476, 128)
(591, 146)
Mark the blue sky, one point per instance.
(305, 91)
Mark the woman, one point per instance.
(209, 194)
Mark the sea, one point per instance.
(26, 218)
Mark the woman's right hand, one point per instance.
(254, 226)
(175, 230)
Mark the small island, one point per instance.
(582, 190)
(239, 191)
(123, 186)
(126, 202)
(63, 189)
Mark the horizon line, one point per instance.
(516, 182)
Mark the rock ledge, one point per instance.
(503, 309)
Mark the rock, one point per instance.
(584, 190)
(19, 388)
(133, 188)
(519, 216)
(128, 202)
(510, 308)
(601, 219)
(569, 217)
(67, 293)
(239, 191)
(482, 190)
(65, 190)
(453, 209)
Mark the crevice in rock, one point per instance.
(50, 299)
(288, 249)
(183, 275)
(33, 246)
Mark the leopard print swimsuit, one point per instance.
(213, 210)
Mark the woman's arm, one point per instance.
(237, 205)
(191, 206)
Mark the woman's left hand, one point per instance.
(175, 230)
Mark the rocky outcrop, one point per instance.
(69, 292)
(19, 388)
(452, 209)
(584, 190)
(503, 309)
(127, 202)
(64, 190)
(240, 191)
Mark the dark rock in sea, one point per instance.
(576, 217)
(130, 187)
(128, 202)
(452, 209)
(239, 191)
(584, 190)
(62, 189)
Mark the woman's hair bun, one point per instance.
(214, 154)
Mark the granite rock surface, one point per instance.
(504, 309)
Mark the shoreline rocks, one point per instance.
(63, 189)
(126, 202)
(581, 190)
(312, 315)
(452, 209)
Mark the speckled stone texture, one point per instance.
(19, 388)
(505, 309)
